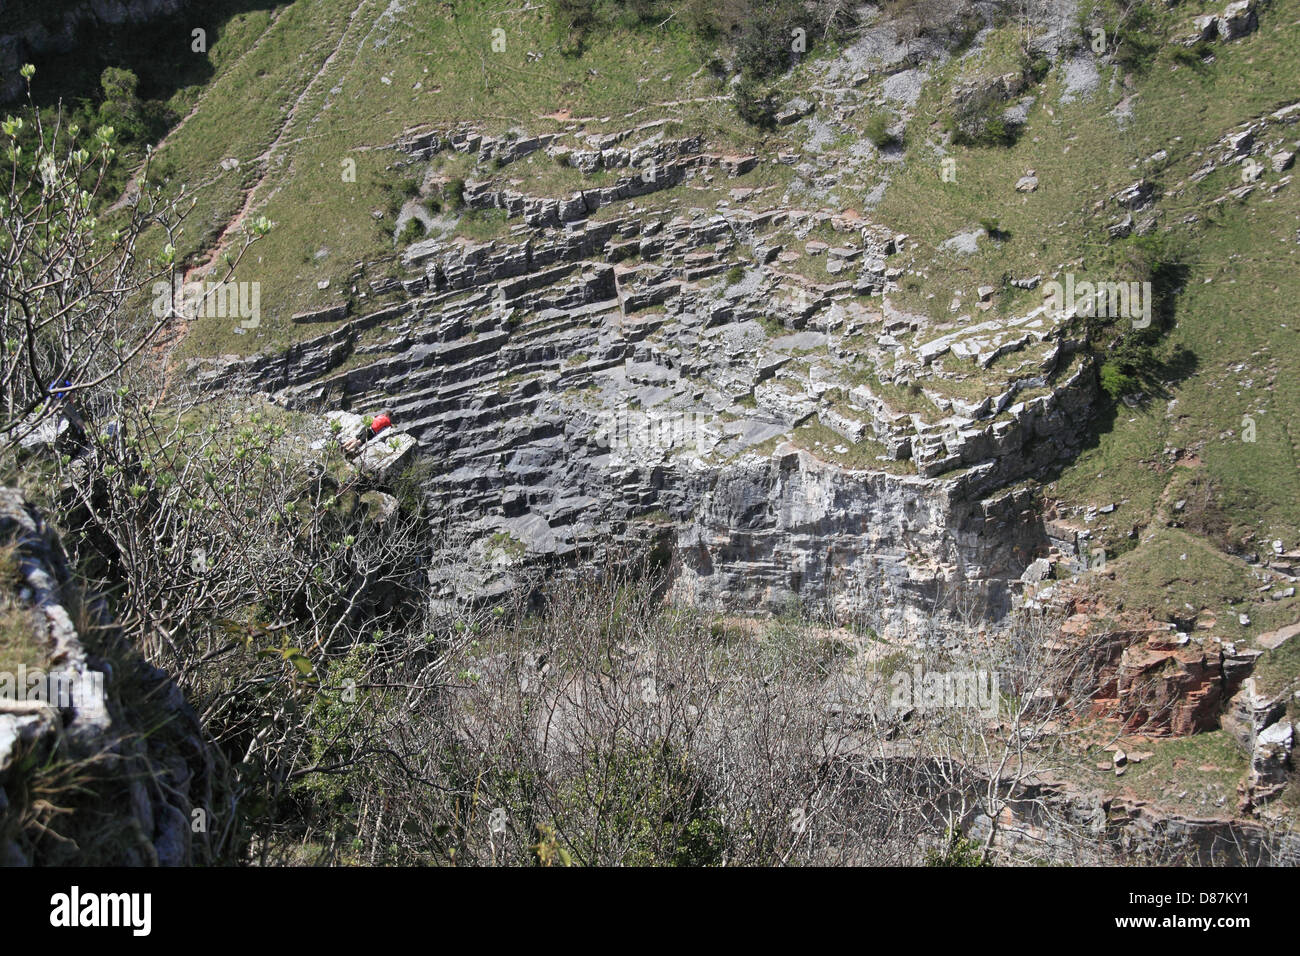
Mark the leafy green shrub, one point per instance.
(575, 18)
(958, 850)
(413, 230)
(755, 104)
(974, 128)
(1115, 381)
(652, 801)
(877, 131)
(400, 193)
(453, 194)
(121, 108)
(979, 121)
(1130, 354)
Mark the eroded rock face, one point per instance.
(1056, 822)
(1258, 723)
(1158, 681)
(880, 548)
(80, 716)
(563, 392)
(1270, 761)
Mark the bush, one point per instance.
(765, 47)
(121, 108)
(575, 18)
(1115, 381)
(413, 230)
(877, 131)
(1157, 258)
(651, 800)
(453, 194)
(958, 850)
(755, 104)
(978, 121)
(983, 128)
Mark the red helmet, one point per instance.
(379, 423)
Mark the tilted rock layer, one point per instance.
(805, 439)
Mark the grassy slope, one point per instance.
(1236, 315)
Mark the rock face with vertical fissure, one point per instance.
(160, 771)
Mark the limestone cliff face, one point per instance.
(805, 440)
(106, 718)
(882, 549)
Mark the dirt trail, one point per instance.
(170, 340)
(272, 158)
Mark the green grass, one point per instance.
(1278, 672)
(18, 645)
(483, 225)
(1205, 767)
(866, 455)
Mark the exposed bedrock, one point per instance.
(88, 702)
(664, 367)
(883, 549)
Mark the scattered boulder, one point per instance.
(1134, 196)
(384, 454)
(1039, 570)
(1238, 19)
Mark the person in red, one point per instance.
(353, 444)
